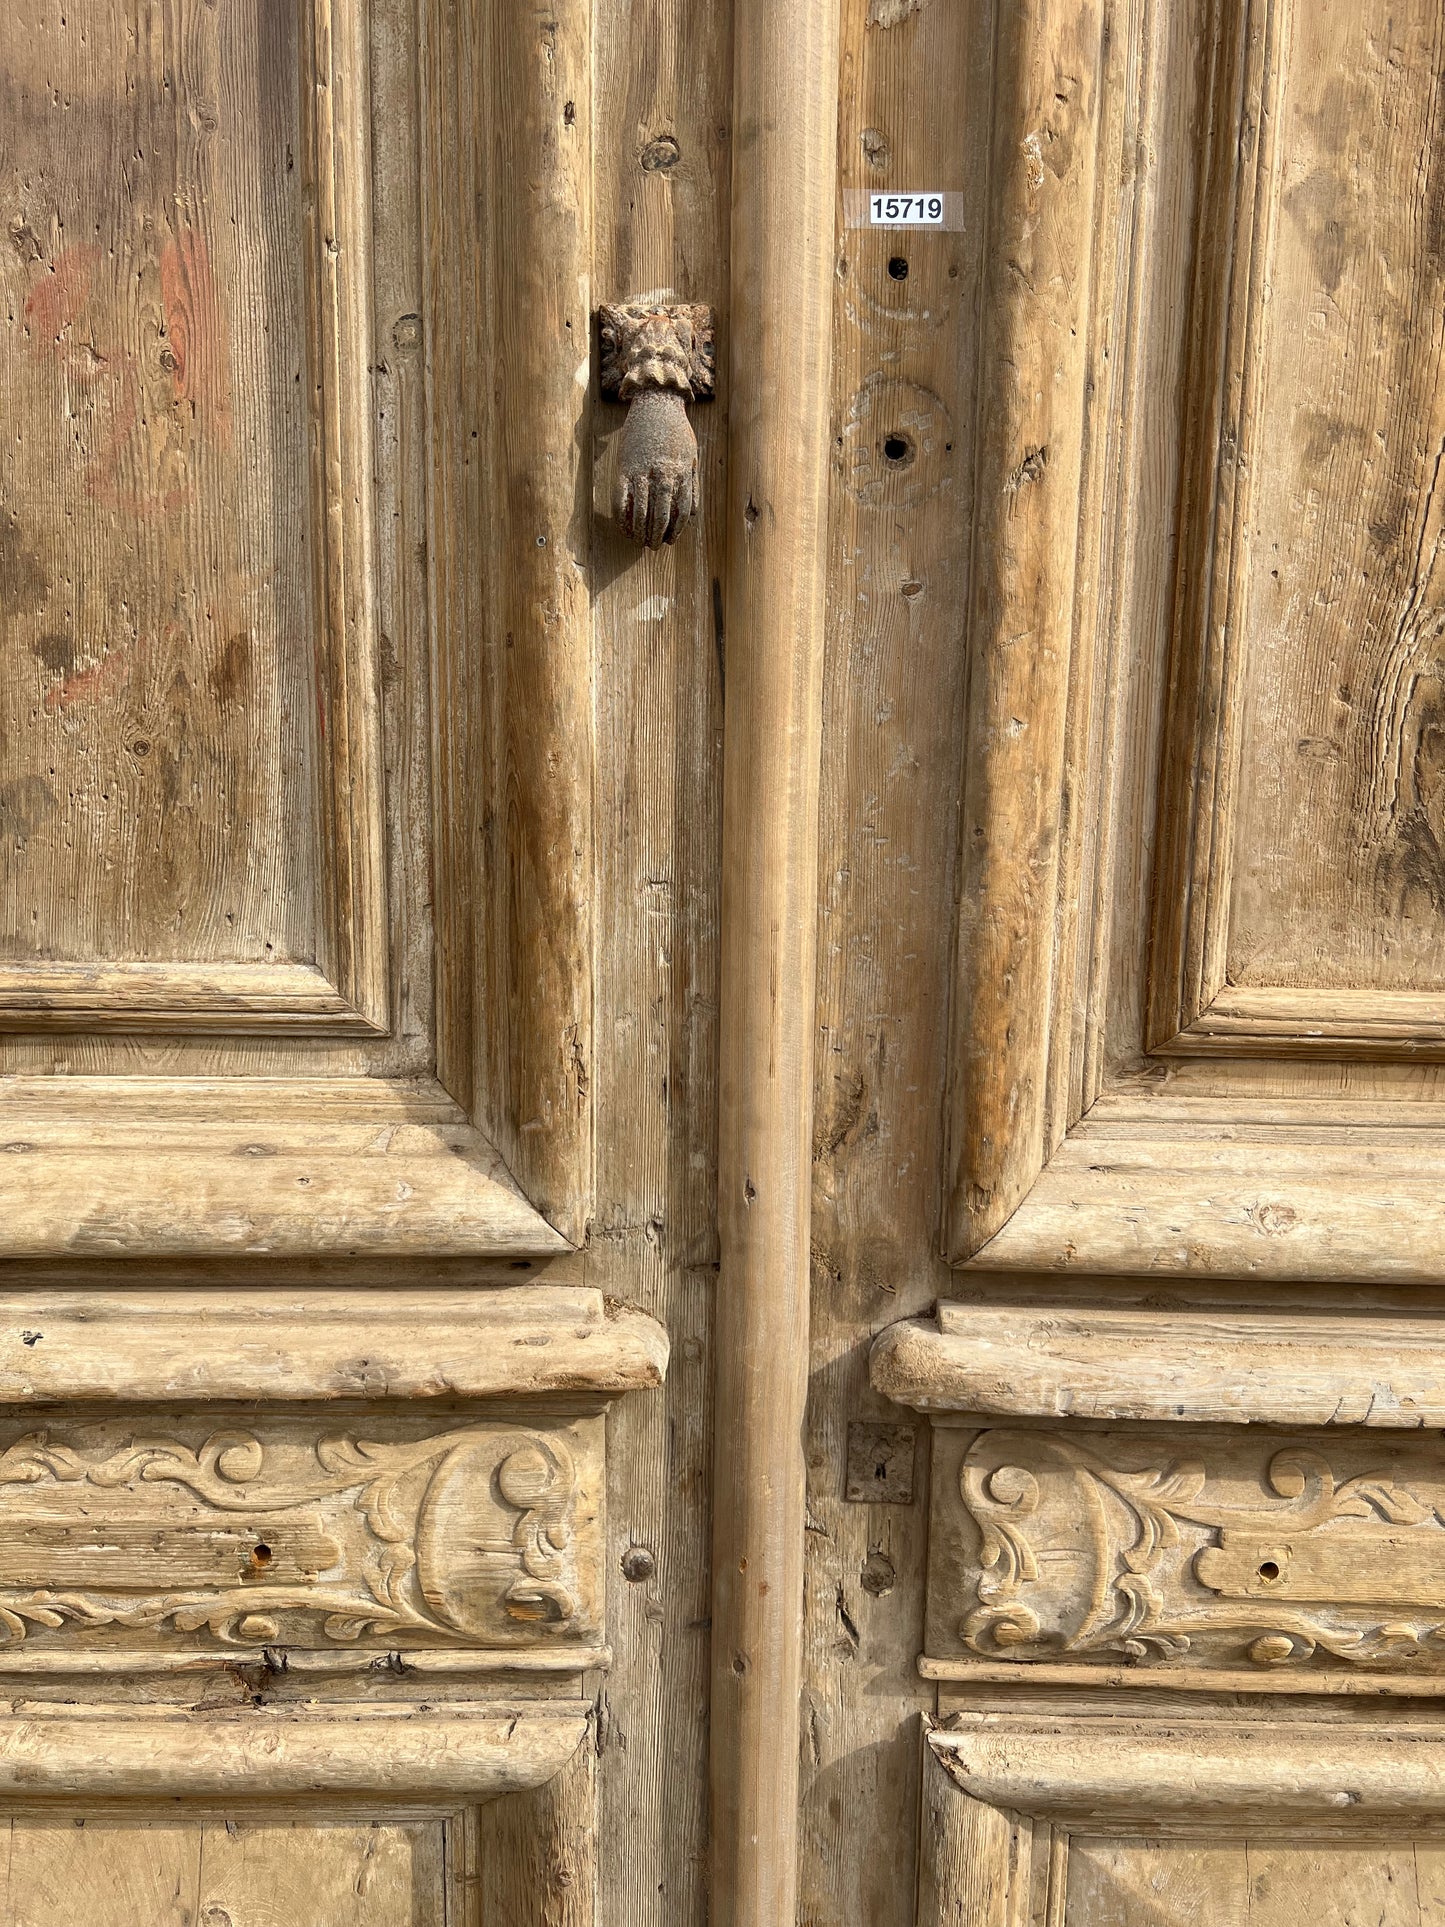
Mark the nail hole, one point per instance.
(898, 449)
(1269, 1571)
(898, 268)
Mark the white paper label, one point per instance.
(906, 210)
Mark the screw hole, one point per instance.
(262, 1554)
(898, 449)
(1269, 1571)
(898, 268)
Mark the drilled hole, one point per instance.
(261, 1554)
(898, 267)
(1269, 1571)
(898, 450)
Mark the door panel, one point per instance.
(282, 818)
(193, 671)
(206, 1873)
(1195, 915)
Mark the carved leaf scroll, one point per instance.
(1268, 1556)
(467, 1537)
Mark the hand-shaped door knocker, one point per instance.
(656, 359)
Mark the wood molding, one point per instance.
(780, 439)
(182, 999)
(1188, 962)
(1266, 1202)
(1221, 1368)
(273, 1187)
(1080, 1770)
(141, 1347)
(1097, 985)
(1034, 469)
(402, 1749)
(1260, 1021)
(1007, 1806)
(506, 96)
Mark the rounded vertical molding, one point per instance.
(783, 213)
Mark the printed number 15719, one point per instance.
(905, 210)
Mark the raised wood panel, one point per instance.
(370, 883)
(1201, 982)
(1092, 1822)
(1299, 889)
(223, 1872)
(191, 764)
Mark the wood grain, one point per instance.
(159, 1345)
(508, 346)
(204, 1873)
(174, 650)
(1270, 1367)
(785, 91)
(468, 1750)
(904, 349)
(663, 130)
(1030, 467)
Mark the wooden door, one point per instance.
(746, 1231)
(1184, 1520)
(303, 1554)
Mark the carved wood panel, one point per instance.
(1188, 1548)
(178, 1534)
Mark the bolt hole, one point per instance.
(898, 449)
(898, 268)
(262, 1554)
(1269, 1571)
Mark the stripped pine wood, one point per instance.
(206, 1873)
(663, 133)
(79, 1868)
(904, 351)
(264, 1874)
(1145, 1883)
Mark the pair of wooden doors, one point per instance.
(749, 1231)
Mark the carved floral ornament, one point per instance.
(468, 1537)
(656, 358)
(1074, 1554)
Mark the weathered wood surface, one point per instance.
(904, 352)
(1295, 1554)
(1086, 1769)
(1267, 1203)
(473, 1531)
(203, 1873)
(1038, 314)
(783, 203)
(663, 132)
(535, 1856)
(1258, 1880)
(269, 1187)
(134, 1752)
(508, 100)
(1275, 1367)
(158, 1346)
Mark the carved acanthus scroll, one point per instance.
(481, 1536)
(657, 358)
(1259, 1553)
